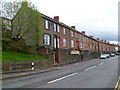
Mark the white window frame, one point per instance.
(72, 43)
(58, 28)
(58, 42)
(46, 39)
(55, 42)
(46, 24)
(64, 42)
(55, 27)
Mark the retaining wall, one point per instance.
(17, 66)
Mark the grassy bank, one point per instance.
(17, 56)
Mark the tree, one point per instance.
(9, 9)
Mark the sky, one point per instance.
(98, 18)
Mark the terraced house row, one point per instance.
(52, 38)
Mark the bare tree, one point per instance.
(9, 9)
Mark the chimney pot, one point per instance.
(56, 18)
(24, 3)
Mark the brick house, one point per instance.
(49, 37)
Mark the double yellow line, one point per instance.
(117, 87)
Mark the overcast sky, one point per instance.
(97, 17)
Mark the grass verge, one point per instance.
(18, 56)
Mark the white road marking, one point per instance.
(62, 78)
(90, 68)
(101, 63)
(76, 64)
(107, 61)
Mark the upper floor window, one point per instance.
(64, 31)
(47, 26)
(76, 34)
(58, 28)
(64, 42)
(71, 33)
(46, 39)
(55, 27)
(72, 43)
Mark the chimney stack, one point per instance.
(73, 27)
(91, 36)
(97, 38)
(56, 18)
(83, 32)
(24, 3)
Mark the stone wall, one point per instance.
(66, 57)
(17, 66)
(87, 55)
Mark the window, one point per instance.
(5, 22)
(8, 28)
(72, 43)
(71, 33)
(58, 28)
(55, 42)
(75, 34)
(64, 31)
(55, 27)
(47, 24)
(58, 43)
(46, 39)
(64, 42)
(81, 45)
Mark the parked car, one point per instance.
(112, 55)
(108, 55)
(103, 56)
(117, 53)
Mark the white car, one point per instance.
(108, 55)
(112, 54)
(103, 56)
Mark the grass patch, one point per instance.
(17, 56)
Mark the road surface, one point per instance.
(96, 73)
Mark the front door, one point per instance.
(56, 47)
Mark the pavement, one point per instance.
(32, 72)
(26, 73)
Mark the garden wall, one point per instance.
(87, 55)
(66, 57)
(17, 66)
